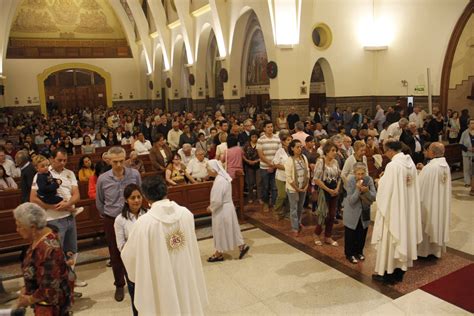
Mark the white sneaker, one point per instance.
(80, 283)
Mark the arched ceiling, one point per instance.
(88, 28)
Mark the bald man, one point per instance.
(435, 192)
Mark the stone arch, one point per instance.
(45, 74)
(247, 18)
(321, 84)
(206, 54)
(450, 52)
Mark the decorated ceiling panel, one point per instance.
(53, 19)
(66, 29)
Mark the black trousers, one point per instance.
(354, 240)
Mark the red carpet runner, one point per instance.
(456, 288)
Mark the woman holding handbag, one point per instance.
(360, 195)
(327, 176)
(297, 181)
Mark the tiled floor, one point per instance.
(278, 279)
(274, 279)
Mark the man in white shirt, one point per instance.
(395, 129)
(173, 136)
(197, 167)
(61, 215)
(416, 117)
(320, 132)
(141, 145)
(187, 153)
(9, 165)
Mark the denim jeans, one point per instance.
(268, 186)
(67, 233)
(296, 208)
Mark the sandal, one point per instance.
(331, 242)
(215, 258)
(243, 251)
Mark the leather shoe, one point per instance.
(214, 258)
(244, 250)
(119, 294)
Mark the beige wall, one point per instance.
(22, 74)
(422, 29)
(463, 62)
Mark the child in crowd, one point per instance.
(47, 185)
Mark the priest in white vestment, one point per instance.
(435, 192)
(162, 257)
(225, 225)
(397, 228)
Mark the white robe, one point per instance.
(435, 192)
(162, 258)
(397, 228)
(225, 225)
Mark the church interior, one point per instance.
(280, 58)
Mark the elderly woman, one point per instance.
(360, 195)
(467, 144)
(225, 225)
(135, 163)
(48, 279)
(357, 156)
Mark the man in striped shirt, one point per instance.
(267, 146)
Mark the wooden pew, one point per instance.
(453, 154)
(89, 223)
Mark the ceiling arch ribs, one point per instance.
(143, 30)
(8, 9)
(187, 28)
(163, 33)
(127, 26)
(219, 15)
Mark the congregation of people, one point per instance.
(317, 165)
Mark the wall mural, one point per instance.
(257, 61)
(66, 19)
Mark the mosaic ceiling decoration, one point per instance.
(80, 19)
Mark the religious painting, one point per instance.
(257, 61)
(218, 80)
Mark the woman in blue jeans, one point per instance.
(297, 180)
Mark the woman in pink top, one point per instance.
(233, 157)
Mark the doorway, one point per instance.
(73, 89)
